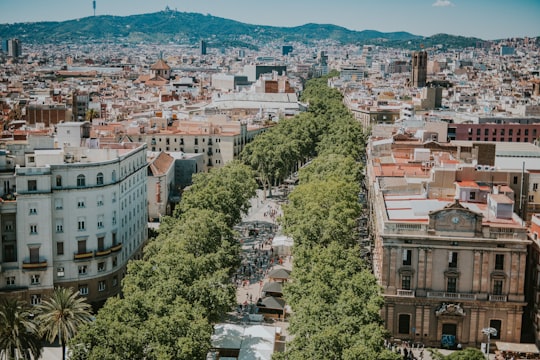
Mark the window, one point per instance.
(81, 224)
(32, 185)
(35, 299)
(115, 281)
(114, 197)
(115, 261)
(472, 195)
(81, 246)
(59, 225)
(496, 324)
(196, 141)
(535, 186)
(9, 226)
(60, 248)
(60, 271)
(101, 243)
(404, 323)
(58, 180)
(100, 222)
(81, 180)
(515, 181)
(114, 218)
(451, 284)
(406, 282)
(58, 204)
(510, 132)
(531, 198)
(499, 261)
(101, 266)
(497, 287)
(477, 131)
(99, 179)
(100, 201)
(407, 255)
(83, 269)
(452, 259)
(9, 253)
(113, 176)
(33, 229)
(101, 285)
(34, 279)
(83, 290)
(10, 280)
(81, 203)
(32, 210)
(34, 254)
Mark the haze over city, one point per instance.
(484, 19)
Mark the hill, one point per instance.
(180, 27)
(171, 26)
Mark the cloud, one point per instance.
(443, 3)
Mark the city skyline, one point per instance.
(488, 20)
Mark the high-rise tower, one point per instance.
(419, 68)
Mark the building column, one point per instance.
(522, 261)
(425, 325)
(474, 329)
(477, 270)
(390, 318)
(514, 272)
(484, 274)
(421, 273)
(482, 324)
(429, 268)
(392, 268)
(418, 322)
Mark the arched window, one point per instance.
(58, 180)
(99, 179)
(81, 180)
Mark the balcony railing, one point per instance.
(498, 298)
(36, 265)
(116, 247)
(83, 255)
(405, 293)
(453, 296)
(103, 252)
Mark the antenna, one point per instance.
(94, 6)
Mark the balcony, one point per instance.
(116, 248)
(83, 255)
(497, 298)
(99, 253)
(405, 293)
(34, 265)
(451, 296)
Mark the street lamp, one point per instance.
(489, 331)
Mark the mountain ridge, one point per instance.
(171, 26)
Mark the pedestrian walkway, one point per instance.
(256, 232)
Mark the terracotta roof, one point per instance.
(160, 65)
(161, 164)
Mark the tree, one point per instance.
(61, 316)
(467, 354)
(19, 334)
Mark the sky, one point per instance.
(485, 19)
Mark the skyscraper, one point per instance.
(419, 68)
(14, 48)
(203, 47)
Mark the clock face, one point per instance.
(455, 219)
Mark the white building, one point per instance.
(77, 216)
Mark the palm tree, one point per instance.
(19, 335)
(61, 315)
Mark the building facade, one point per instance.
(448, 248)
(77, 216)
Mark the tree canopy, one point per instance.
(182, 285)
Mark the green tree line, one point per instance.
(181, 286)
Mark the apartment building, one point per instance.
(220, 141)
(449, 249)
(74, 218)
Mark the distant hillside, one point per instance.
(188, 28)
